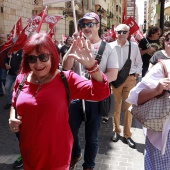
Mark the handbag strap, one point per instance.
(165, 73)
(164, 69)
(63, 77)
(129, 50)
(100, 51)
(20, 86)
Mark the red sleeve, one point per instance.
(80, 88)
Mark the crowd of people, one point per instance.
(41, 105)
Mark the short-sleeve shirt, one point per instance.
(109, 57)
(63, 50)
(157, 56)
(145, 44)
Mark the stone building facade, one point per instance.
(11, 11)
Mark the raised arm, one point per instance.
(81, 51)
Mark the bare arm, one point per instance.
(151, 49)
(111, 74)
(148, 94)
(97, 76)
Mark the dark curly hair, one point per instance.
(152, 30)
(166, 34)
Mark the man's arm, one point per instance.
(112, 65)
(151, 49)
(138, 63)
(111, 74)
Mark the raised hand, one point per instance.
(82, 52)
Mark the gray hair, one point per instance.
(124, 26)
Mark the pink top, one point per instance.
(45, 136)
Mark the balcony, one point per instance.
(101, 3)
(167, 7)
(78, 7)
(167, 4)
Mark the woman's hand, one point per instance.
(14, 124)
(164, 84)
(147, 94)
(83, 52)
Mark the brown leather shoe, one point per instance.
(74, 161)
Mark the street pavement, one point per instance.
(111, 156)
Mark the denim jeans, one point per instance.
(10, 79)
(92, 127)
(2, 79)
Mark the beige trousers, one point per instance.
(120, 95)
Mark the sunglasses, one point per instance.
(89, 24)
(167, 39)
(120, 32)
(42, 57)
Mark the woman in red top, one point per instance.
(42, 108)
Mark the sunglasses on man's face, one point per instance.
(89, 24)
(167, 39)
(42, 57)
(121, 31)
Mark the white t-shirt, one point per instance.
(109, 58)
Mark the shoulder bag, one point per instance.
(154, 112)
(63, 77)
(104, 105)
(124, 72)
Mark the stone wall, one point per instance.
(12, 11)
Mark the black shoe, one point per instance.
(74, 161)
(18, 163)
(105, 120)
(115, 137)
(7, 106)
(130, 142)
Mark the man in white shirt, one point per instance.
(121, 45)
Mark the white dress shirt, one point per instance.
(135, 56)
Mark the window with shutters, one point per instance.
(36, 2)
